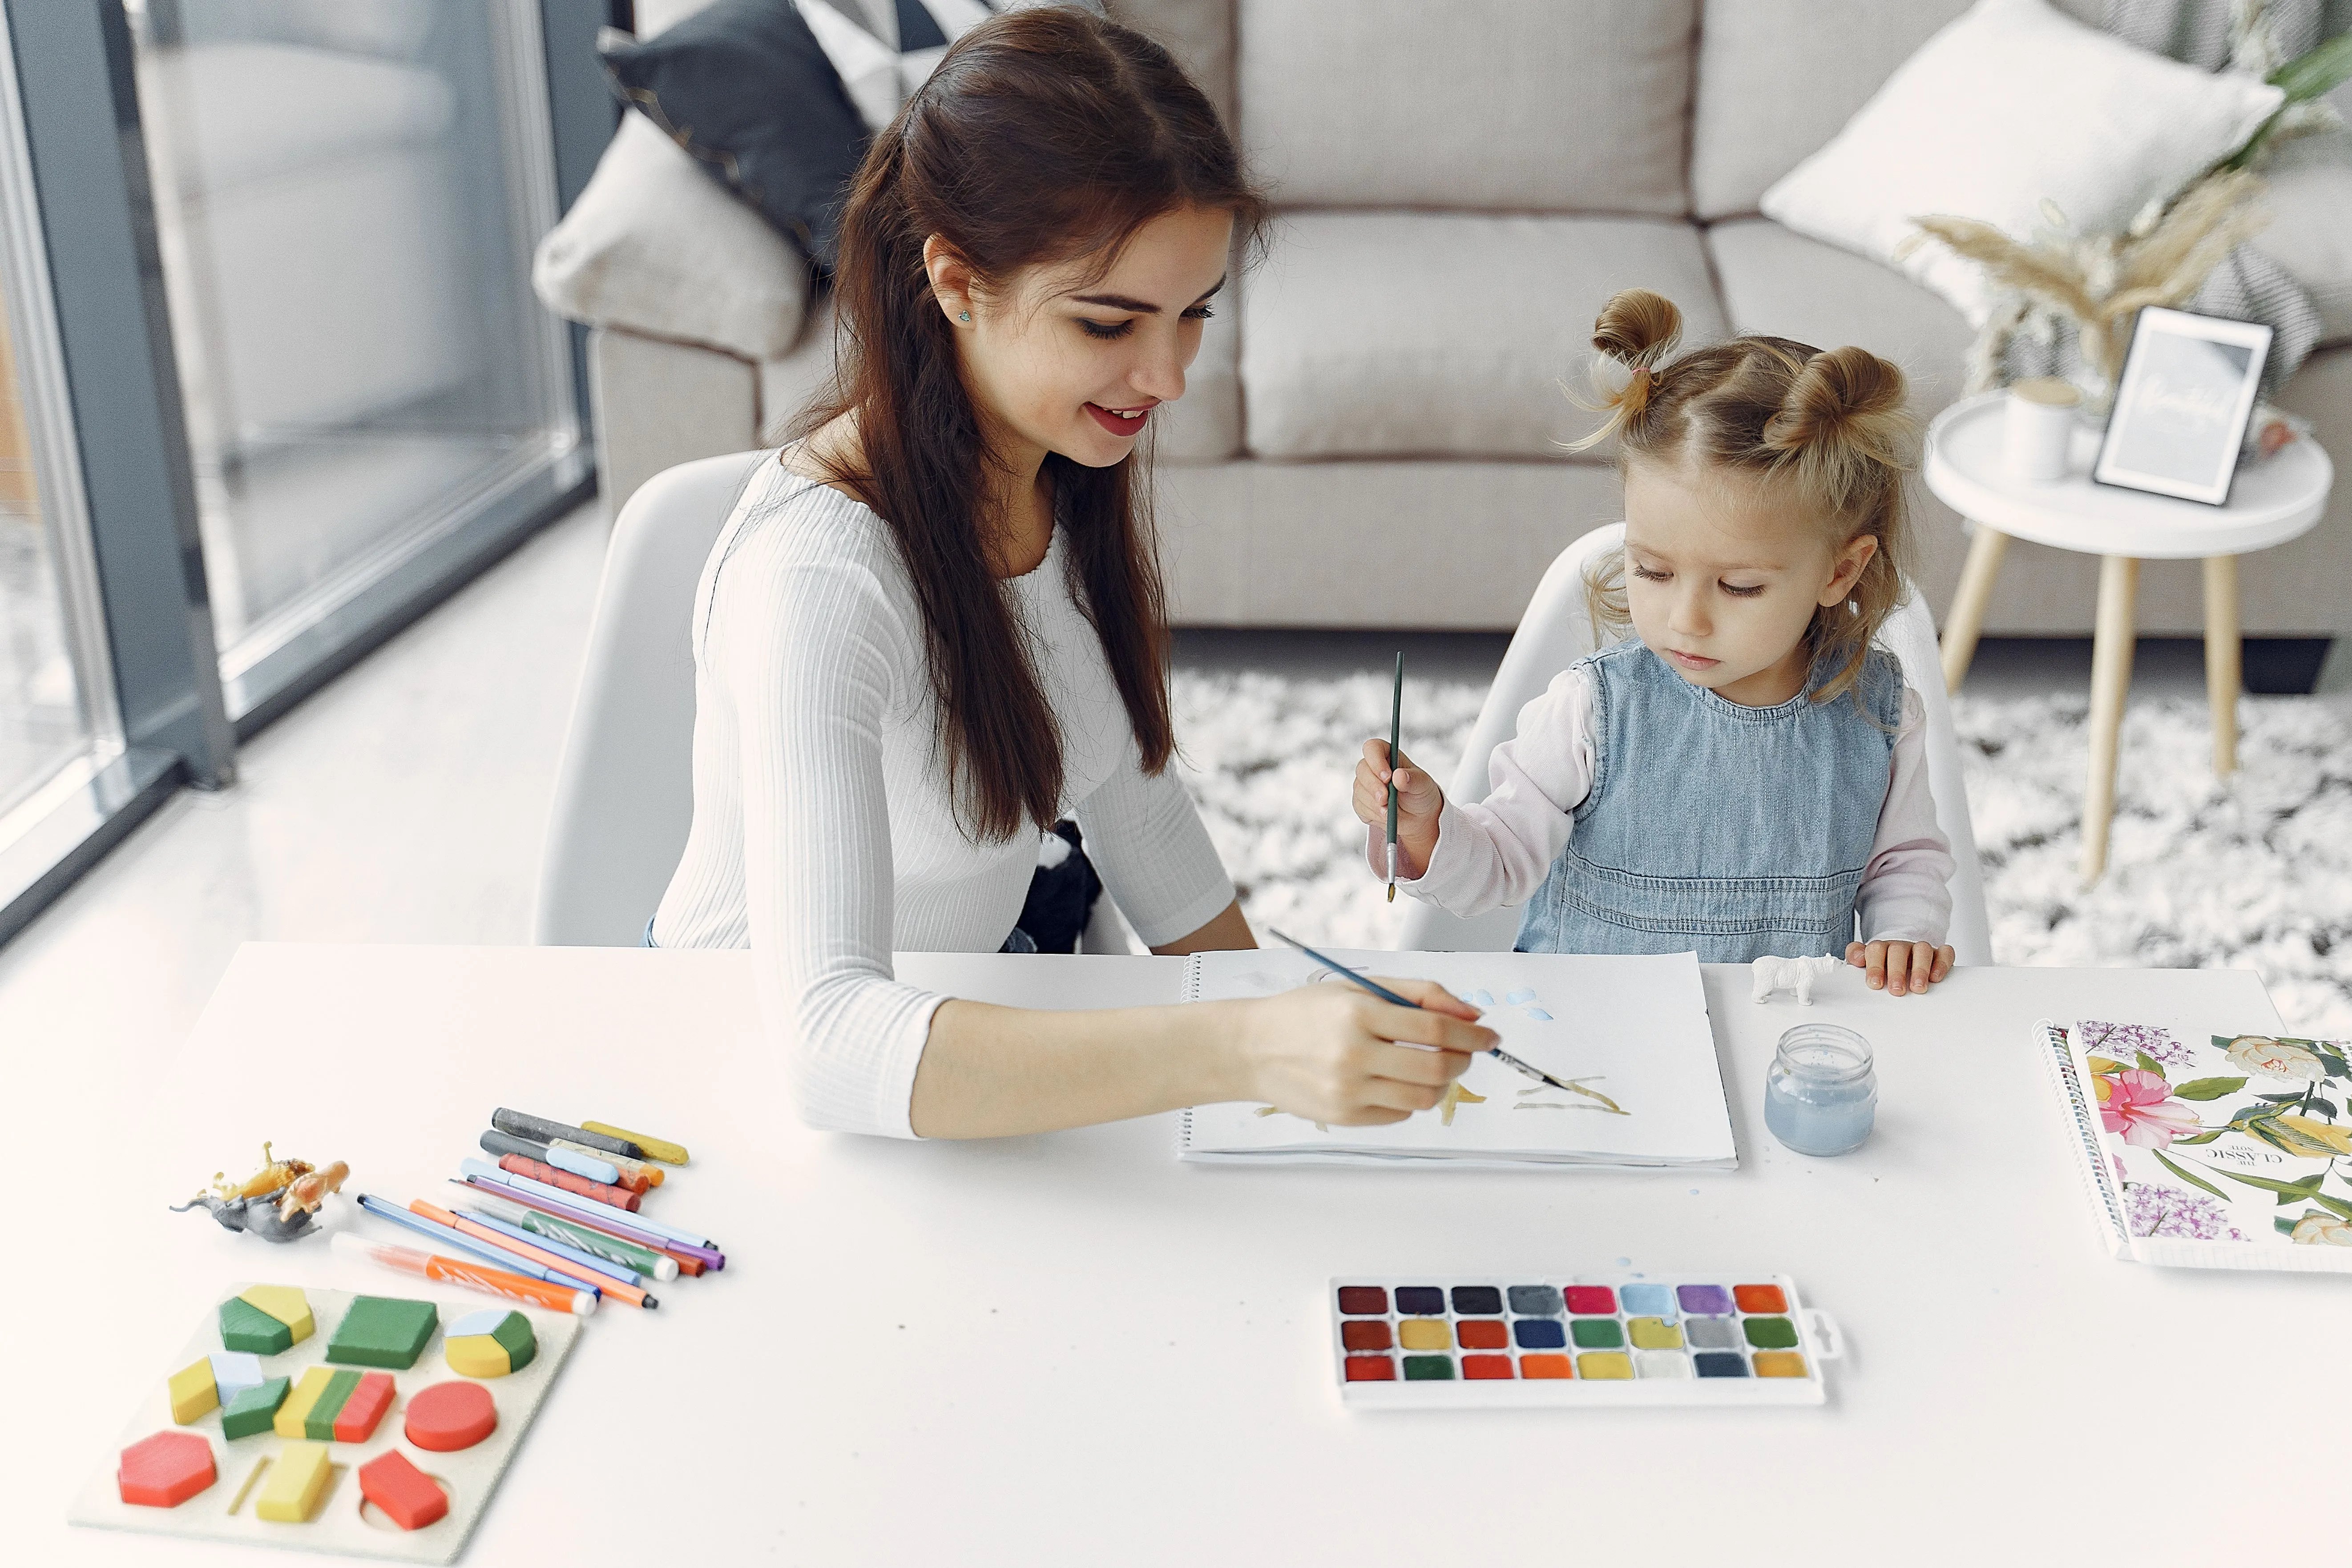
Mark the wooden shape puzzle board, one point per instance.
(337, 1525)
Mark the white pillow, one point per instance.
(657, 247)
(2011, 104)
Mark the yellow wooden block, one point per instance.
(297, 1479)
(193, 1390)
(292, 1417)
(476, 1355)
(283, 1302)
(661, 1148)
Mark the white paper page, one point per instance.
(1633, 1028)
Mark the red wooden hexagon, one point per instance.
(166, 1469)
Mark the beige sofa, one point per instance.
(1372, 434)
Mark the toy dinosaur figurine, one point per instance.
(277, 1202)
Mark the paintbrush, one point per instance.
(1497, 1052)
(1396, 735)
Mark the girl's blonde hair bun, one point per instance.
(1848, 396)
(1634, 332)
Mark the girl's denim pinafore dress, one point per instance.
(1739, 832)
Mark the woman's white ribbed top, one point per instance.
(824, 837)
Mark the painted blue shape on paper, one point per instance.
(1480, 998)
(1540, 1015)
(1516, 997)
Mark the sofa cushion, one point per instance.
(2310, 231)
(1775, 79)
(2011, 110)
(1199, 33)
(745, 87)
(1782, 283)
(1403, 335)
(653, 248)
(1553, 105)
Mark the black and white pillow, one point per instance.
(744, 86)
(884, 49)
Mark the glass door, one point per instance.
(57, 721)
(347, 193)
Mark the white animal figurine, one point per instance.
(1796, 974)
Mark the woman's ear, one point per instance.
(1847, 568)
(952, 280)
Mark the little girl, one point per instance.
(1747, 773)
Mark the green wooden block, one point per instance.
(514, 1334)
(246, 1327)
(252, 1409)
(319, 1425)
(382, 1330)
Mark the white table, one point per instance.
(1075, 1350)
(2270, 503)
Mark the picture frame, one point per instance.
(2182, 404)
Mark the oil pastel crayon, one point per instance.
(538, 1129)
(564, 1181)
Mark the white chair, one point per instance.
(624, 793)
(625, 790)
(1558, 630)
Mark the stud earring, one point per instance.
(964, 316)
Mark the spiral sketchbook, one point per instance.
(2211, 1151)
(1626, 1038)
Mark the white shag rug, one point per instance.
(2256, 874)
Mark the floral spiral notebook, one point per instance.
(2224, 1152)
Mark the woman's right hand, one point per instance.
(1333, 1054)
(1419, 803)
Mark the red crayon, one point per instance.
(615, 1197)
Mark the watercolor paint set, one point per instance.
(1409, 1344)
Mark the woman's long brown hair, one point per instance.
(1044, 137)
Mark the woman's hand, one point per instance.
(1897, 967)
(1418, 801)
(1333, 1054)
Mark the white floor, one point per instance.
(402, 804)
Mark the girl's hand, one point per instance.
(1898, 966)
(1419, 800)
(1333, 1054)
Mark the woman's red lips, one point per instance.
(1118, 423)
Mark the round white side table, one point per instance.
(2270, 503)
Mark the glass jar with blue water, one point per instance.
(1821, 1094)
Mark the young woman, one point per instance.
(933, 626)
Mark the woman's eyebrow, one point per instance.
(1129, 302)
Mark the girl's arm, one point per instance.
(1906, 898)
(1497, 851)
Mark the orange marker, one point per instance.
(632, 1294)
(474, 1276)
